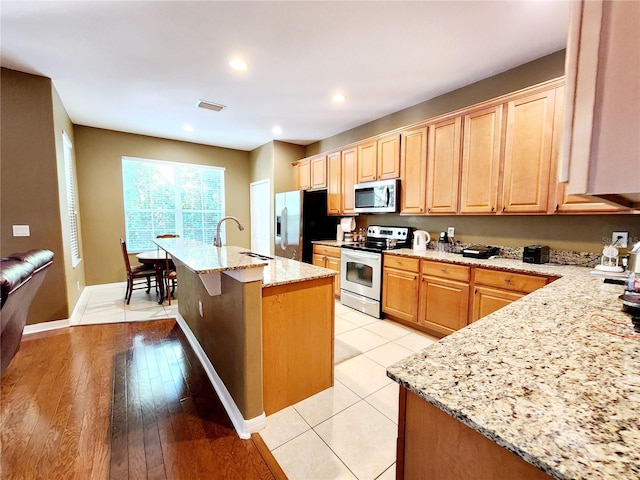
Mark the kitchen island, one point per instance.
(548, 386)
(262, 327)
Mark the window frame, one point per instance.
(71, 201)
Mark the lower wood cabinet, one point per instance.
(494, 289)
(400, 287)
(444, 296)
(328, 257)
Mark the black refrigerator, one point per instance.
(301, 217)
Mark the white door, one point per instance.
(260, 192)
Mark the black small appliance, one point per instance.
(535, 254)
(480, 251)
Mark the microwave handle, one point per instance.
(387, 196)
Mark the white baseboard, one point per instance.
(244, 427)
(45, 326)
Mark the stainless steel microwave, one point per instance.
(377, 197)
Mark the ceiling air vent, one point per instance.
(210, 106)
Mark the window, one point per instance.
(72, 211)
(169, 197)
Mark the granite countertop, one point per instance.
(538, 378)
(205, 258)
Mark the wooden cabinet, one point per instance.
(334, 183)
(493, 289)
(528, 153)
(444, 296)
(379, 159)
(443, 171)
(328, 257)
(601, 152)
(318, 171)
(481, 160)
(303, 175)
(349, 179)
(400, 287)
(566, 203)
(413, 161)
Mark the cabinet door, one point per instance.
(481, 160)
(303, 175)
(528, 153)
(444, 166)
(318, 260)
(444, 304)
(487, 300)
(577, 203)
(318, 167)
(367, 162)
(333, 263)
(414, 170)
(349, 179)
(400, 294)
(388, 161)
(334, 183)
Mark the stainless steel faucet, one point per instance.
(217, 241)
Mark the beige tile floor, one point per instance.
(345, 432)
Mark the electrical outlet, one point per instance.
(451, 232)
(620, 239)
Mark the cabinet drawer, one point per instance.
(326, 250)
(516, 282)
(446, 270)
(402, 263)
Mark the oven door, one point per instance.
(361, 272)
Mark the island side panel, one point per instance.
(434, 445)
(230, 334)
(298, 328)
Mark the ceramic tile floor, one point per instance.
(345, 432)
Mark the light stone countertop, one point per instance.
(537, 378)
(204, 258)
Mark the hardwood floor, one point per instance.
(119, 401)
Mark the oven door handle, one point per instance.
(361, 255)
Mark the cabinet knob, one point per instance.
(493, 209)
(415, 278)
(507, 280)
(557, 207)
(504, 208)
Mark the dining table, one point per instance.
(158, 259)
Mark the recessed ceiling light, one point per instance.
(338, 98)
(276, 130)
(238, 64)
(187, 128)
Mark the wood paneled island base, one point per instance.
(433, 445)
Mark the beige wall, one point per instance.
(29, 180)
(284, 154)
(99, 160)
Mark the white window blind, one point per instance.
(72, 211)
(168, 197)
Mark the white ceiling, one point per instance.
(140, 67)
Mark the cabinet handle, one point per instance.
(415, 278)
(443, 270)
(507, 280)
(493, 209)
(504, 208)
(557, 207)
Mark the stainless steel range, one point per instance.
(361, 267)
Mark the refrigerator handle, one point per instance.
(283, 229)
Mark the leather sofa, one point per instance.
(21, 275)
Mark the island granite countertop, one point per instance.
(553, 377)
(205, 258)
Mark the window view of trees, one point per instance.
(167, 197)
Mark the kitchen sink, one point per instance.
(256, 255)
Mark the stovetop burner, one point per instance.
(380, 238)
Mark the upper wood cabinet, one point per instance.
(413, 162)
(443, 166)
(303, 175)
(528, 153)
(601, 151)
(334, 183)
(349, 179)
(318, 169)
(481, 160)
(379, 159)
(566, 203)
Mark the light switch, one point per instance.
(21, 231)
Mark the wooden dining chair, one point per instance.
(170, 276)
(135, 273)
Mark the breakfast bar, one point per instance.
(548, 386)
(262, 326)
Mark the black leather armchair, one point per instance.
(21, 274)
